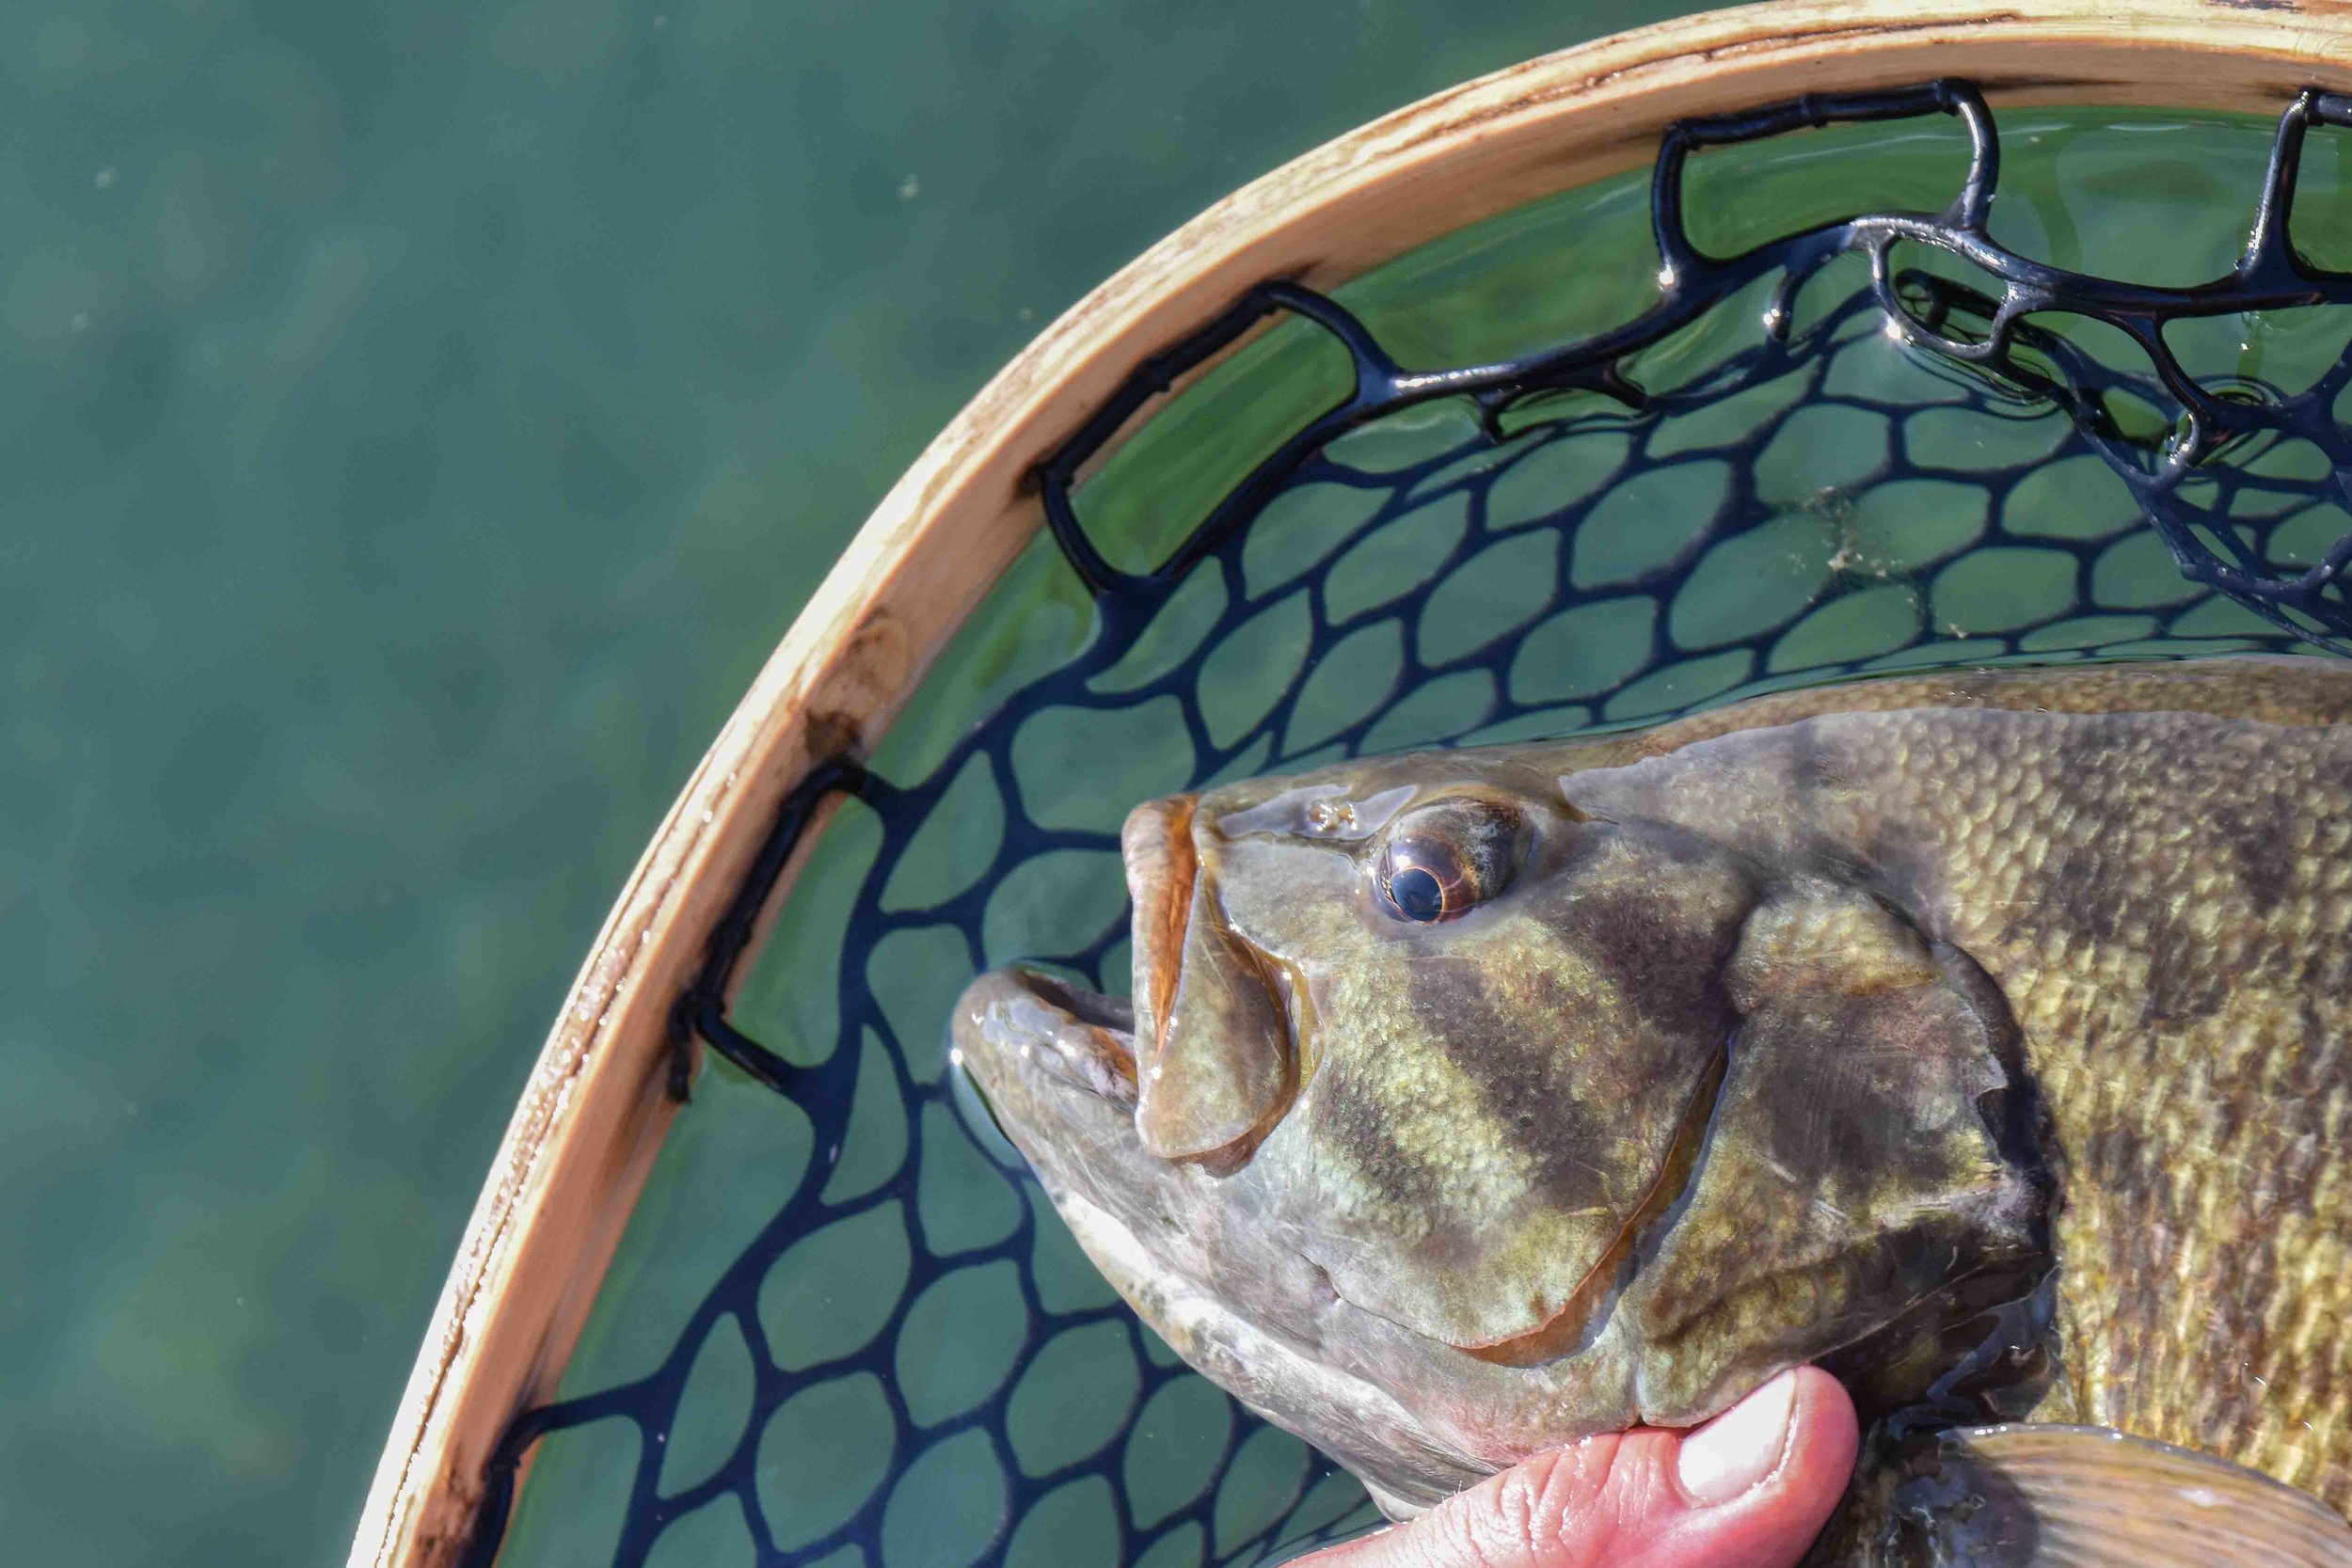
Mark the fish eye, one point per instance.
(1445, 859)
(1417, 893)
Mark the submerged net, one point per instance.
(1879, 443)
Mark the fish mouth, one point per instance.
(1198, 1260)
(1023, 1018)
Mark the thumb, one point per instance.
(1752, 1487)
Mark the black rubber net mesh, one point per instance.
(845, 1327)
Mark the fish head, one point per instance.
(1453, 1031)
(1417, 1078)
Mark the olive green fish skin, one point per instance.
(1773, 1027)
(2166, 900)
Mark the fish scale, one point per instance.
(2156, 1192)
(2158, 1200)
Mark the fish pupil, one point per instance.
(1417, 895)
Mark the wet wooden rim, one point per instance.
(594, 1110)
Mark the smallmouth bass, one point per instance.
(1984, 1038)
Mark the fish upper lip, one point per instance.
(1162, 869)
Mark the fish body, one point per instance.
(1985, 1037)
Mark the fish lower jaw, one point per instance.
(1082, 1038)
(1353, 1419)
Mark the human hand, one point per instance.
(1748, 1490)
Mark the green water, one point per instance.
(425, 421)
(424, 418)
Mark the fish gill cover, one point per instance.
(1881, 442)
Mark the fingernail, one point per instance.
(1727, 1456)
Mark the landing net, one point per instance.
(1665, 472)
